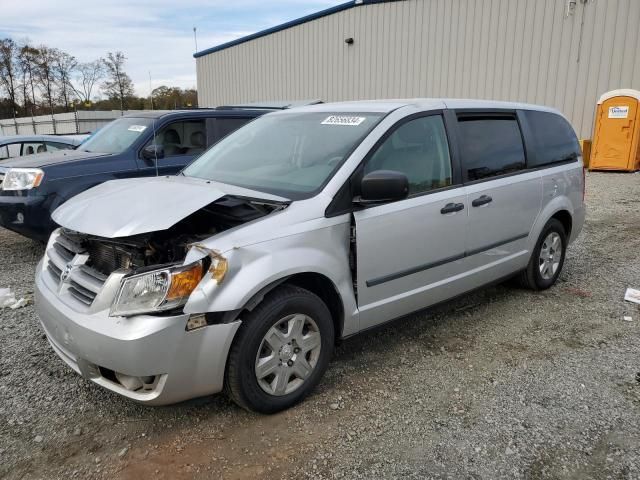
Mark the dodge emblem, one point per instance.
(65, 273)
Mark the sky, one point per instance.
(155, 35)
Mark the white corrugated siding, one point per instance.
(520, 50)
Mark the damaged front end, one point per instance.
(149, 268)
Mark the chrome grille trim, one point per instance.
(83, 282)
(85, 296)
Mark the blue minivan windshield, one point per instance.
(117, 136)
(288, 154)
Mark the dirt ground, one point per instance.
(503, 383)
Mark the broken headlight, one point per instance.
(157, 290)
(22, 179)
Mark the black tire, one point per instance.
(531, 277)
(241, 384)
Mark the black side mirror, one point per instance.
(151, 152)
(383, 186)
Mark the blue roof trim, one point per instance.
(299, 21)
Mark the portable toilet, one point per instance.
(617, 132)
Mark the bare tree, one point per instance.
(64, 66)
(118, 84)
(87, 76)
(9, 70)
(28, 66)
(46, 80)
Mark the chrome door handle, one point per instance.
(483, 200)
(452, 208)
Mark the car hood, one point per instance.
(39, 160)
(121, 208)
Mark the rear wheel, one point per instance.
(281, 351)
(547, 259)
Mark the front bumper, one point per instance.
(26, 215)
(183, 364)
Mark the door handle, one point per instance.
(452, 208)
(483, 200)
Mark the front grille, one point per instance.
(84, 282)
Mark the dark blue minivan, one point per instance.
(137, 145)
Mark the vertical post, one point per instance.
(150, 90)
(195, 38)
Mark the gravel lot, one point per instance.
(503, 383)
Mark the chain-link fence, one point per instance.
(60, 123)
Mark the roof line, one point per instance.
(299, 21)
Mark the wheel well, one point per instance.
(564, 217)
(326, 290)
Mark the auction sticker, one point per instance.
(137, 128)
(619, 112)
(343, 120)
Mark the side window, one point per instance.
(553, 138)
(33, 147)
(187, 137)
(419, 149)
(14, 149)
(55, 146)
(491, 146)
(224, 126)
(10, 150)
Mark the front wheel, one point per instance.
(281, 351)
(547, 259)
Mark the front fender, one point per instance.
(252, 268)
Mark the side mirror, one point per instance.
(383, 186)
(151, 152)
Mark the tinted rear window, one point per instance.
(491, 146)
(553, 138)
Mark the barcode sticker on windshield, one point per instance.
(137, 128)
(343, 120)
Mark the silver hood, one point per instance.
(121, 208)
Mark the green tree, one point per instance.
(168, 98)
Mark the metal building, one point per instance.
(561, 53)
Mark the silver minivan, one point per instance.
(302, 228)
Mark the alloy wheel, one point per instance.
(288, 354)
(550, 255)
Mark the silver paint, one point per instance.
(298, 239)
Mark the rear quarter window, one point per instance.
(552, 137)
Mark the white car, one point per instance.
(21, 145)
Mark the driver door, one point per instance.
(409, 252)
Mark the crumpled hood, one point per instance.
(121, 208)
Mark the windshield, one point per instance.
(116, 136)
(292, 155)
